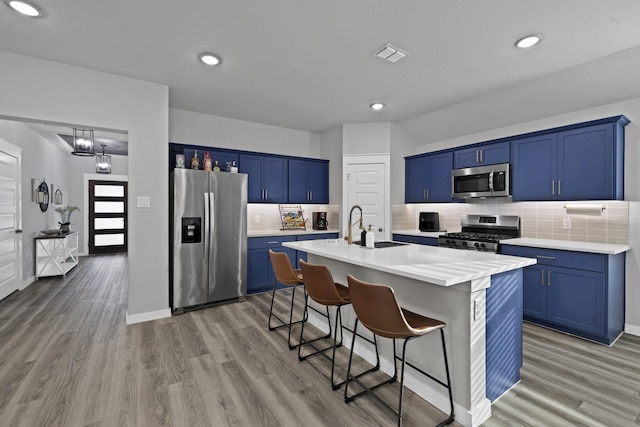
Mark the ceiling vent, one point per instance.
(390, 53)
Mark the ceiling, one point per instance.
(309, 65)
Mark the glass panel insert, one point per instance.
(108, 223)
(109, 207)
(109, 239)
(109, 191)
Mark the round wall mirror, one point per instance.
(43, 196)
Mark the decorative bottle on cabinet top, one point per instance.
(216, 166)
(195, 163)
(206, 162)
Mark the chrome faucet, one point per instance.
(350, 234)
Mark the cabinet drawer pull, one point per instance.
(549, 278)
(545, 257)
(274, 242)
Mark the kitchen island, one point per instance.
(478, 295)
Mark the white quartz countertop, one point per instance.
(420, 233)
(566, 245)
(280, 233)
(440, 266)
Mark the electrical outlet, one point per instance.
(566, 223)
(143, 202)
(256, 218)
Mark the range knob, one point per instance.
(464, 243)
(477, 245)
(482, 245)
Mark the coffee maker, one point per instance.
(429, 221)
(319, 220)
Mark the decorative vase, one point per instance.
(64, 228)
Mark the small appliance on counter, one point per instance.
(319, 220)
(429, 221)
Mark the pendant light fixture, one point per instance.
(103, 162)
(83, 142)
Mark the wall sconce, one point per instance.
(103, 162)
(83, 142)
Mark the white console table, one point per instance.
(57, 254)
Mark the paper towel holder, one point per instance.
(579, 209)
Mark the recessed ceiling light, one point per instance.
(528, 41)
(210, 59)
(24, 8)
(377, 106)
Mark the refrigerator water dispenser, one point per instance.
(191, 230)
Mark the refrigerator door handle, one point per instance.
(206, 224)
(211, 220)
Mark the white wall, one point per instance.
(631, 109)
(39, 90)
(366, 138)
(186, 127)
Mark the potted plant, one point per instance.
(65, 216)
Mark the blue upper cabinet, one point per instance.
(482, 155)
(428, 178)
(534, 168)
(268, 178)
(581, 162)
(308, 181)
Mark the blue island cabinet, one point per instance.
(575, 292)
(308, 181)
(582, 162)
(428, 178)
(268, 178)
(418, 240)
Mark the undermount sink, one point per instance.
(383, 244)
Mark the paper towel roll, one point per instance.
(575, 209)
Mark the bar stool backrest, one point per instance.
(319, 284)
(377, 309)
(283, 269)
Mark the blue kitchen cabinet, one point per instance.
(418, 240)
(428, 178)
(482, 155)
(579, 162)
(260, 275)
(268, 178)
(575, 292)
(308, 181)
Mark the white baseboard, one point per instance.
(27, 282)
(632, 329)
(146, 317)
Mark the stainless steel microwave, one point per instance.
(483, 181)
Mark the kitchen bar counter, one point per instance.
(478, 295)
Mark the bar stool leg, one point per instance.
(282, 322)
(350, 377)
(446, 365)
(303, 341)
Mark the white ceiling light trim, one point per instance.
(528, 41)
(377, 106)
(210, 59)
(390, 53)
(24, 8)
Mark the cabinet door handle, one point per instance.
(549, 278)
(477, 157)
(424, 194)
(553, 188)
(266, 194)
(545, 257)
(427, 194)
(559, 187)
(481, 156)
(310, 195)
(542, 277)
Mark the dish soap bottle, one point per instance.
(370, 237)
(363, 237)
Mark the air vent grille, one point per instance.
(390, 53)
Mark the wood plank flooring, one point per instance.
(68, 359)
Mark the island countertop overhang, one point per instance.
(435, 265)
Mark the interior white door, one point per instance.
(10, 219)
(366, 183)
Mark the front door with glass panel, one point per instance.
(107, 217)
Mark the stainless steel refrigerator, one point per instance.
(208, 238)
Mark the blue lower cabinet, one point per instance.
(418, 240)
(503, 333)
(260, 276)
(574, 292)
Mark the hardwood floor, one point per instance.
(68, 359)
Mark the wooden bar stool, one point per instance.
(319, 285)
(286, 275)
(378, 310)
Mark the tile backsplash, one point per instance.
(542, 220)
(268, 216)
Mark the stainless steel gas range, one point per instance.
(482, 232)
